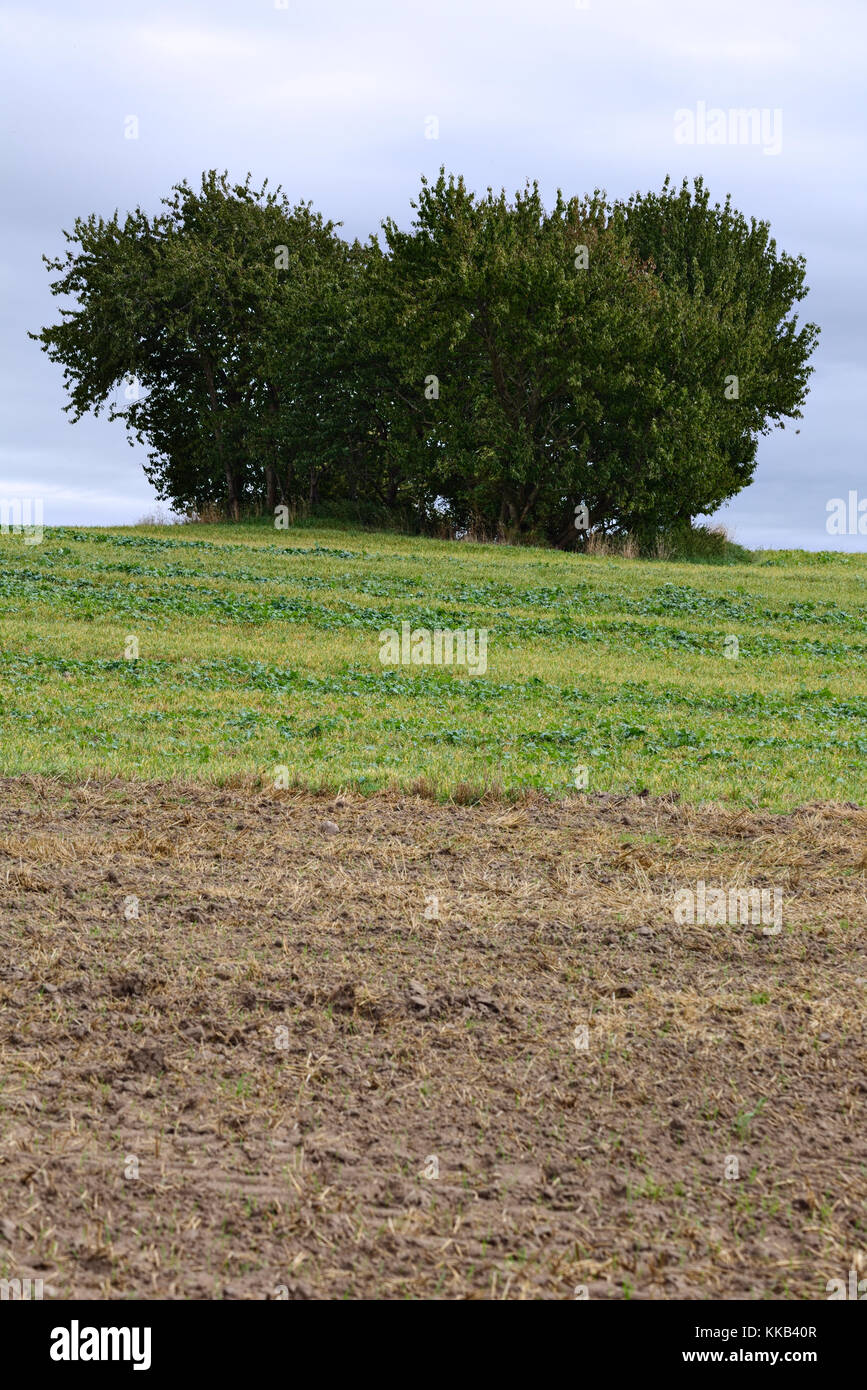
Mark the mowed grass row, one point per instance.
(259, 650)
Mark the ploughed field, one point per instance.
(267, 1044)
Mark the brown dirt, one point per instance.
(301, 1162)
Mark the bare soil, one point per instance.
(339, 1050)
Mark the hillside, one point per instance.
(259, 658)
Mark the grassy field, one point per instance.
(259, 650)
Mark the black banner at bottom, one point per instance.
(84, 1339)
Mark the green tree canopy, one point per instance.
(495, 364)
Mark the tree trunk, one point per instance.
(232, 507)
(271, 487)
(272, 480)
(530, 500)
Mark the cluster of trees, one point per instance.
(489, 368)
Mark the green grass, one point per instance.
(260, 649)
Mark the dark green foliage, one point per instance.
(485, 371)
(728, 300)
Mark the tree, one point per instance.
(209, 308)
(535, 326)
(730, 351)
(496, 364)
(628, 355)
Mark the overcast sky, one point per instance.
(333, 100)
